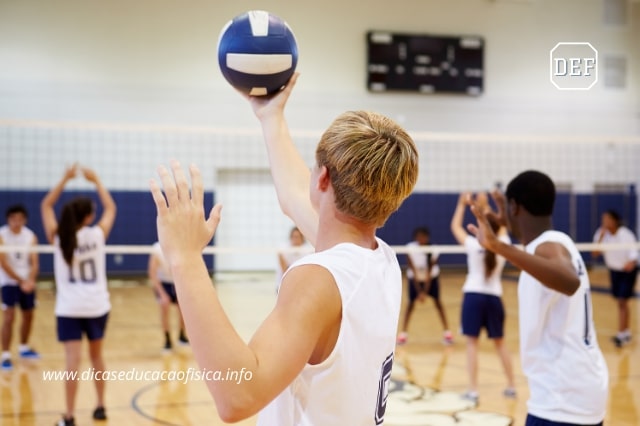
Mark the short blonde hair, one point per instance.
(372, 163)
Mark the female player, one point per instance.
(482, 304)
(82, 297)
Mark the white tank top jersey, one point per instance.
(419, 261)
(567, 374)
(164, 273)
(350, 386)
(476, 281)
(18, 260)
(81, 291)
(617, 259)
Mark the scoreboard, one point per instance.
(424, 63)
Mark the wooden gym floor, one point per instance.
(428, 376)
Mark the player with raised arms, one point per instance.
(82, 297)
(565, 369)
(323, 355)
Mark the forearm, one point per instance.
(216, 344)
(9, 270)
(291, 176)
(553, 274)
(105, 197)
(53, 195)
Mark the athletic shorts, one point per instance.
(622, 283)
(73, 328)
(537, 421)
(170, 289)
(434, 289)
(482, 311)
(13, 295)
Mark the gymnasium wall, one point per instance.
(124, 86)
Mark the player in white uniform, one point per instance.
(296, 249)
(18, 272)
(323, 356)
(165, 291)
(623, 268)
(567, 374)
(482, 302)
(423, 280)
(82, 297)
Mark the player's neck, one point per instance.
(535, 227)
(339, 228)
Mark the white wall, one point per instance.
(154, 61)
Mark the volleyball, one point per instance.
(257, 52)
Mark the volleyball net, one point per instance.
(592, 174)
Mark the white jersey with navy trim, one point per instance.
(19, 260)
(350, 386)
(476, 282)
(163, 272)
(81, 291)
(617, 259)
(567, 374)
(419, 260)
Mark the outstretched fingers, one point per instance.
(197, 188)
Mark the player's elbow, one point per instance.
(235, 408)
(570, 287)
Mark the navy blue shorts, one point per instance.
(434, 289)
(73, 328)
(622, 283)
(537, 421)
(482, 311)
(170, 289)
(13, 295)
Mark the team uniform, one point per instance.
(421, 262)
(350, 386)
(567, 374)
(164, 274)
(482, 304)
(82, 296)
(290, 254)
(12, 294)
(622, 282)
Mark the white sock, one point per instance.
(6, 355)
(23, 348)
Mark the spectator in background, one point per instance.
(623, 268)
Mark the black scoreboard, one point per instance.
(424, 63)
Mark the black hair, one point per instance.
(17, 208)
(73, 214)
(614, 215)
(534, 191)
(421, 230)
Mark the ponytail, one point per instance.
(490, 261)
(73, 215)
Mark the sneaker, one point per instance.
(620, 341)
(402, 338)
(471, 396)
(99, 414)
(66, 422)
(509, 393)
(183, 341)
(7, 365)
(29, 354)
(167, 347)
(447, 338)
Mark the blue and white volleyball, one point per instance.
(257, 53)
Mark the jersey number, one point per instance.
(383, 389)
(87, 269)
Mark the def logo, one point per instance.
(574, 66)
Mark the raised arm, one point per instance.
(49, 221)
(302, 315)
(550, 264)
(291, 175)
(108, 205)
(457, 229)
